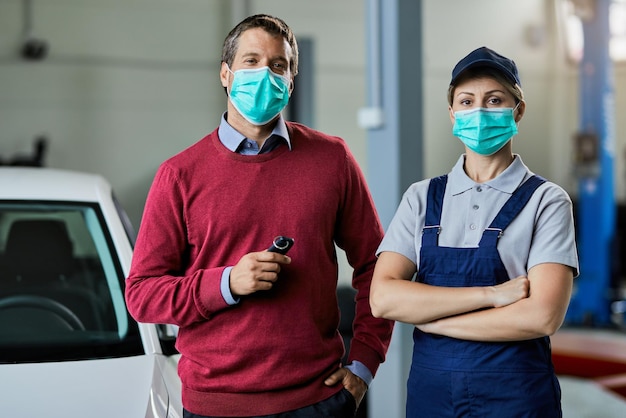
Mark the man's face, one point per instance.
(258, 48)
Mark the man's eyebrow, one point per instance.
(255, 54)
(280, 58)
(250, 54)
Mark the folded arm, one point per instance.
(395, 296)
(540, 314)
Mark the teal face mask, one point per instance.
(259, 95)
(485, 130)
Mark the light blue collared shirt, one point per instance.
(237, 142)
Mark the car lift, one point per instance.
(595, 153)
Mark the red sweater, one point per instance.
(207, 207)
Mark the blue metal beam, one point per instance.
(596, 223)
(394, 118)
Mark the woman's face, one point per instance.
(483, 92)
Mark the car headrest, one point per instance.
(39, 250)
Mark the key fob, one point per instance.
(281, 245)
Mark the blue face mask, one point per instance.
(259, 95)
(485, 130)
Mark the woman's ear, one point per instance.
(521, 108)
(451, 114)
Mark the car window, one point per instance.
(61, 285)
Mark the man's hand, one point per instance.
(354, 384)
(256, 271)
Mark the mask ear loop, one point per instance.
(514, 109)
(229, 84)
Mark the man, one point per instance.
(258, 329)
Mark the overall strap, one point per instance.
(510, 210)
(434, 203)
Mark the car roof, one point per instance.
(34, 183)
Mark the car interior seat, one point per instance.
(39, 261)
(38, 251)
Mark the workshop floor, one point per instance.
(583, 398)
(594, 361)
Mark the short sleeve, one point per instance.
(403, 235)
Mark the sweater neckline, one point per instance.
(222, 150)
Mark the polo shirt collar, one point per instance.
(508, 181)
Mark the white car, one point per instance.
(68, 346)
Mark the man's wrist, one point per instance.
(361, 371)
(225, 287)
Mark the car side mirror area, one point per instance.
(167, 337)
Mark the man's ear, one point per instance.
(225, 75)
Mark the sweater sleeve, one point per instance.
(157, 288)
(358, 233)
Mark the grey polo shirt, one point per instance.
(542, 233)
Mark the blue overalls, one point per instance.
(459, 378)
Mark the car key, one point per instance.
(281, 245)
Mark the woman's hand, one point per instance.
(510, 291)
(394, 296)
(502, 295)
(540, 313)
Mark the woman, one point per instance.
(494, 251)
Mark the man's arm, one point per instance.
(359, 233)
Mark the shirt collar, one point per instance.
(231, 138)
(508, 181)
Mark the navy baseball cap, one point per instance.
(485, 57)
